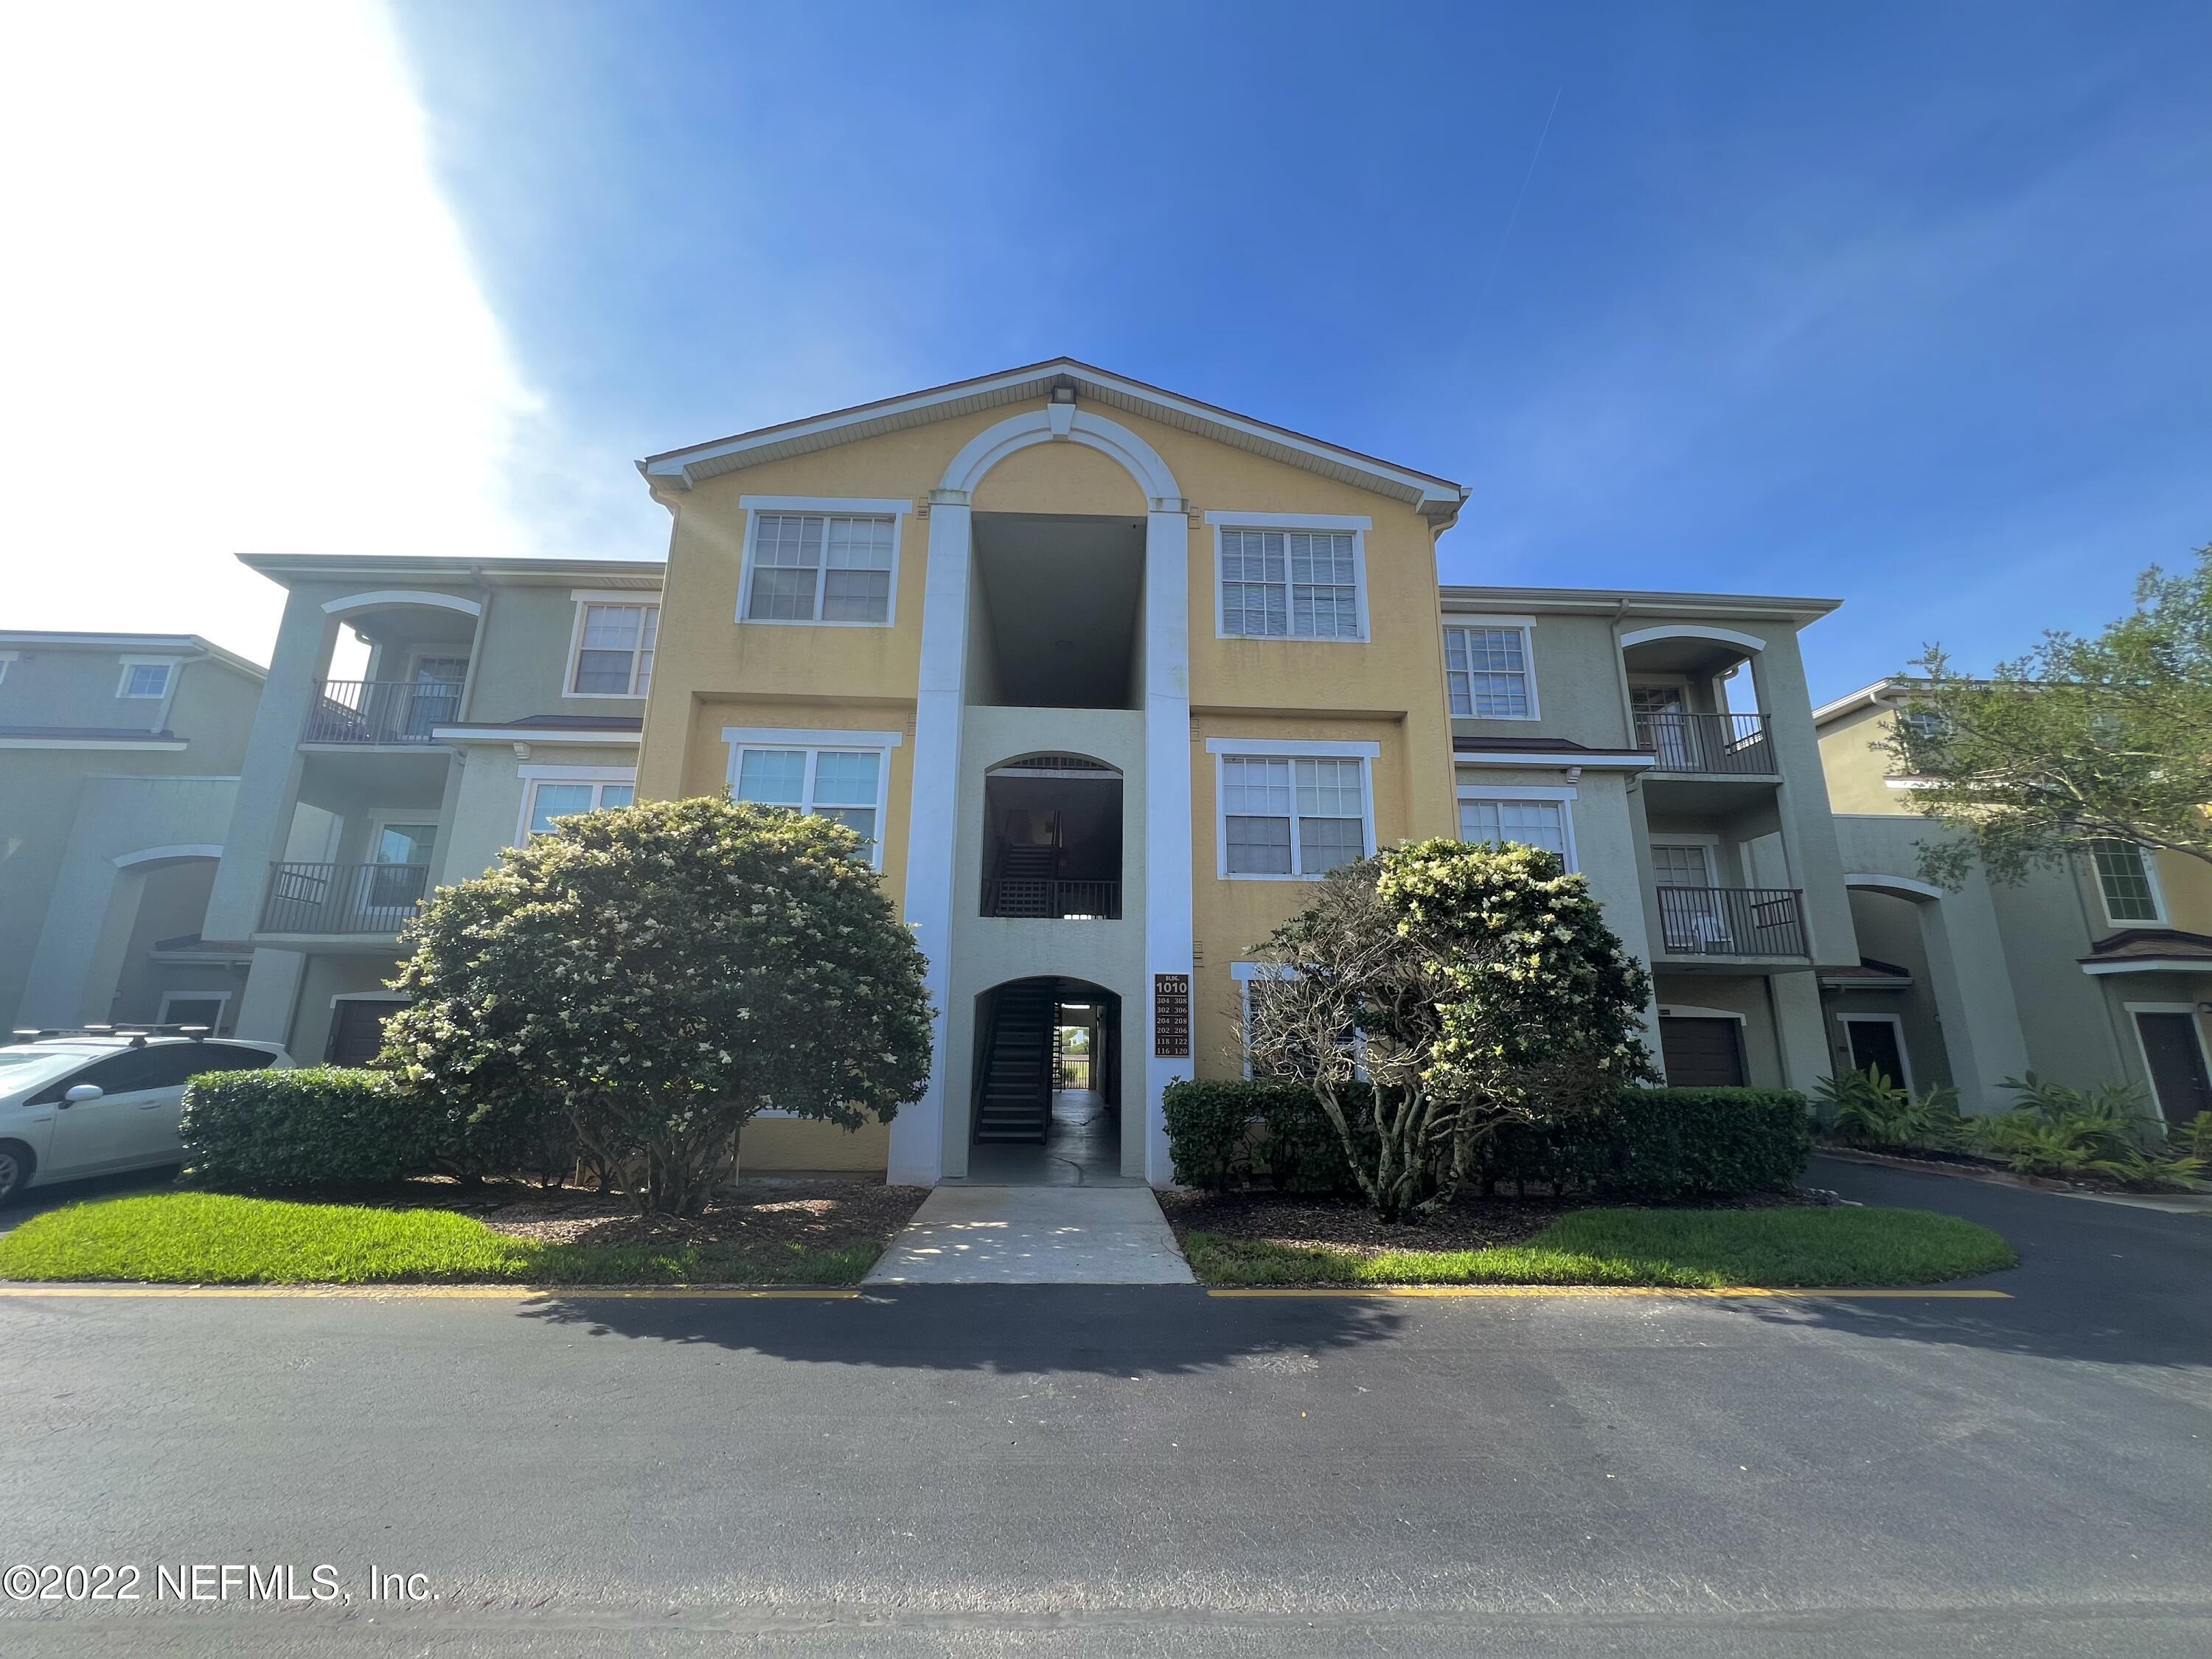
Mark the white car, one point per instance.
(91, 1103)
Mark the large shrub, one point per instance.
(1431, 994)
(320, 1126)
(1646, 1143)
(659, 973)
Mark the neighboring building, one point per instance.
(118, 758)
(2097, 971)
(1107, 674)
(496, 694)
(1602, 725)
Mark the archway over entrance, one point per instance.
(1046, 1091)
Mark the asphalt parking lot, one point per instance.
(1149, 1470)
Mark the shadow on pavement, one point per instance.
(1022, 1330)
(2105, 1283)
(129, 1184)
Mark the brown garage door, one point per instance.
(1702, 1053)
(358, 1031)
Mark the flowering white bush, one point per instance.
(1439, 990)
(660, 973)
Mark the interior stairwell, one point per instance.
(1015, 1101)
(1025, 880)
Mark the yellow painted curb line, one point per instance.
(440, 1292)
(1601, 1289)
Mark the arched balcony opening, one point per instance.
(1052, 839)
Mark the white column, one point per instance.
(918, 1131)
(271, 993)
(1167, 802)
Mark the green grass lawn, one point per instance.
(1703, 1249)
(207, 1238)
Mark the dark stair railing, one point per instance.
(1013, 1095)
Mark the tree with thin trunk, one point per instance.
(1429, 995)
(2079, 742)
(662, 973)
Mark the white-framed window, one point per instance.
(2128, 882)
(1290, 575)
(822, 563)
(144, 679)
(560, 791)
(1490, 669)
(1291, 811)
(1503, 818)
(615, 638)
(840, 775)
(194, 1008)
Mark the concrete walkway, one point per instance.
(1034, 1236)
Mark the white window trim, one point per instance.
(1558, 795)
(1711, 843)
(1461, 621)
(2149, 858)
(816, 744)
(598, 777)
(380, 817)
(2143, 1049)
(1897, 1024)
(582, 598)
(832, 506)
(1357, 524)
(1258, 749)
(7, 660)
(221, 999)
(168, 679)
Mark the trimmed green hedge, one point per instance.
(1650, 1143)
(327, 1125)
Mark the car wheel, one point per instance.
(16, 1166)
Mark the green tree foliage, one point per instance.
(2078, 742)
(1465, 987)
(662, 973)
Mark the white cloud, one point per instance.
(238, 316)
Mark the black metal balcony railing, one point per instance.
(1731, 921)
(1686, 742)
(380, 711)
(1071, 901)
(344, 898)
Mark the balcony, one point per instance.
(1726, 745)
(380, 711)
(367, 899)
(1042, 896)
(1733, 922)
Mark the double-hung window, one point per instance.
(614, 650)
(2124, 878)
(1288, 815)
(846, 785)
(1289, 584)
(1531, 823)
(821, 567)
(1488, 672)
(551, 798)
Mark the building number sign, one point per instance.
(1171, 1015)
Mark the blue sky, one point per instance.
(1908, 305)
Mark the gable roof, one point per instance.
(1437, 499)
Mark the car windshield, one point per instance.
(27, 1068)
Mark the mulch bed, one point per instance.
(819, 1211)
(1471, 1223)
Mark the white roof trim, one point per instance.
(2149, 965)
(1437, 499)
(531, 734)
(150, 741)
(1552, 760)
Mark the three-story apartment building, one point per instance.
(2100, 970)
(496, 697)
(1106, 675)
(119, 756)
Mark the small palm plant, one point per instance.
(1865, 1109)
(2058, 1130)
